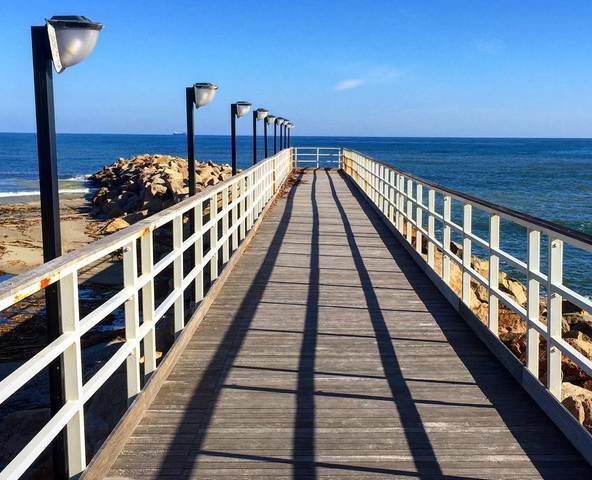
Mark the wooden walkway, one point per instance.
(328, 353)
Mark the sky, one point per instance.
(460, 68)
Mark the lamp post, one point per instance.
(199, 95)
(278, 121)
(268, 121)
(64, 41)
(290, 127)
(237, 110)
(285, 126)
(258, 114)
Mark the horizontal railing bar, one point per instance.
(574, 297)
(40, 442)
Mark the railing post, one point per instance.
(419, 218)
(318, 157)
(446, 239)
(132, 319)
(533, 299)
(179, 312)
(466, 253)
(392, 189)
(242, 218)
(147, 250)
(72, 368)
(431, 226)
(214, 237)
(494, 242)
(554, 312)
(409, 210)
(225, 216)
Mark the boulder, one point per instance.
(18, 428)
(578, 401)
(115, 225)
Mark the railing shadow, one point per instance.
(522, 416)
(419, 444)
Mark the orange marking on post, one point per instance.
(44, 283)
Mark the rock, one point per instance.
(18, 428)
(580, 322)
(579, 403)
(115, 225)
(513, 288)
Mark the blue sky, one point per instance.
(333, 67)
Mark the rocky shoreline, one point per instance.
(134, 188)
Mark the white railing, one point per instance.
(233, 204)
(317, 157)
(410, 204)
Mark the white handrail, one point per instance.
(243, 198)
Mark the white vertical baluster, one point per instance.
(554, 313)
(214, 236)
(419, 218)
(242, 219)
(234, 215)
(72, 372)
(431, 226)
(466, 253)
(198, 252)
(494, 242)
(225, 216)
(409, 210)
(397, 197)
(147, 249)
(132, 319)
(446, 239)
(179, 310)
(533, 299)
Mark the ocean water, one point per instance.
(547, 178)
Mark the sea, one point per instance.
(547, 178)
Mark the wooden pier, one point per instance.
(328, 353)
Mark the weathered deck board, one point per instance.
(328, 354)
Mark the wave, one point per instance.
(36, 193)
(75, 178)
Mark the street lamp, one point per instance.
(258, 114)
(64, 41)
(286, 122)
(290, 127)
(237, 110)
(278, 121)
(268, 121)
(199, 95)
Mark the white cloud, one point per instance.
(372, 76)
(349, 84)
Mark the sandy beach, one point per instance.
(20, 232)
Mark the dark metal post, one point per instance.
(289, 137)
(233, 135)
(285, 133)
(265, 135)
(190, 104)
(274, 137)
(281, 140)
(254, 137)
(50, 219)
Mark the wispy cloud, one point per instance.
(349, 84)
(373, 76)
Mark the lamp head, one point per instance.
(203, 93)
(286, 121)
(242, 108)
(290, 126)
(279, 120)
(270, 119)
(71, 39)
(261, 113)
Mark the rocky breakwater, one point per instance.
(136, 187)
(576, 329)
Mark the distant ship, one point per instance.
(179, 133)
